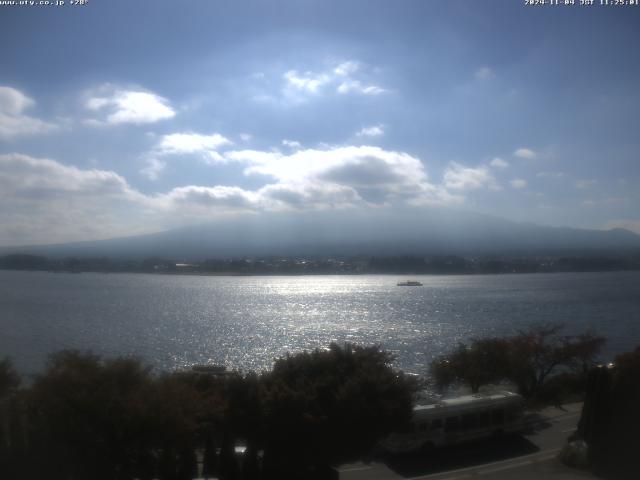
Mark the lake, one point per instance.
(172, 321)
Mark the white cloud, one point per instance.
(498, 163)
(21, 125)
(291, 143)
(14, 102)
(153, 168)
(459, 177)
(13, 121)
(584, 184)
(194, 198)
(369, 173)
(205, 146)
(122, 106)
(44, 201)
(29, 177)
(372, 131)
(355, 86)
(345, 78)
(318, 196)
(525, 153)
(484, 73)
(307, 82)
(518, 183)
(245, 137)
(189, 143)
(346, 69)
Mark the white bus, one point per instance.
(459, 420)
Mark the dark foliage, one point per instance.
(484, 361)
(331, 405)
(10, 417)
(527, 359)
(9, 378)
(90, 419)
(109, 419)
(615, 419)
(112, 419)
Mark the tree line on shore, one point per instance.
(407, 264)
(115, 419)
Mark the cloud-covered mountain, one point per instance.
(415, 232)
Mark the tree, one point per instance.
(526, 359)
(90, 418)
(9, 378)
(329, 406)
(541, 351)
(10, 415)
(583, 350)
(484, 361)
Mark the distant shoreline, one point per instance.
(311, 274)
(360, 265)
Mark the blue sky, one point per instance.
(120, 118)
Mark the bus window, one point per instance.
(514, 414)
(469, 421)
(497, 417)
(451, 424)
(484, 419)
(435, 424)
(407, 427)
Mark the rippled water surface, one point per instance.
(245, 322)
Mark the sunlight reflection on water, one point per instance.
(246, 322)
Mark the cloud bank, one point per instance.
(45, 201)
(13, 121)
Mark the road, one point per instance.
(530, 456)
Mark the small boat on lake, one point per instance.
(410, 283)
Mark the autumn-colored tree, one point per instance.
(483, 362)
(526, 359)
(541, 351)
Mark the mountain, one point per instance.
(410, 232)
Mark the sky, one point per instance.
(120, 118)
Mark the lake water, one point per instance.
(245, 322)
